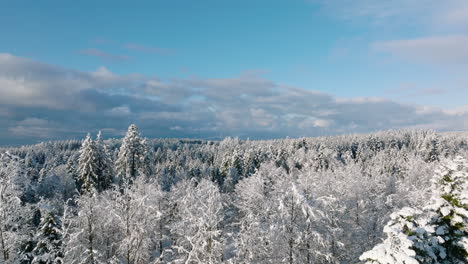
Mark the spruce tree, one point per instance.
(236, 162)
(104, 164)
(94, 165)
(438, 234)
(88, 168)
(147, 158)
(449, 211)
(131, 155)
(399, 246)
(14, 224)
(49, 241)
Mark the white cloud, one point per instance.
(29, 83)
(361, 100)
(457, 111)
(34, 127)
(72, 102)
(451, 49)
(455, 14)
(103, 72)
(323, 123)
(120, 111)
(427, 13)
(441, 25)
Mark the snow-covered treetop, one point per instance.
(436, 234)
(451, 182)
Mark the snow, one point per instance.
(311, 200)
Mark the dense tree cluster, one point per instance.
(436, 234)
(343, 199)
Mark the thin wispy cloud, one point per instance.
(455, 14)
(430, 34)
(439, 49)
(147, 49)
(104, 55)
(34, 127)
(428, 13)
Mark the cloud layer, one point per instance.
(42, 102)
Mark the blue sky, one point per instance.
(407, 53)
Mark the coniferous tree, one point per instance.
(232, 169)
(225, 165)
(250, 162)
(131, 155)
(237, 164)
(448, 213)
(88, 168)
(94, 165)
(104, 164)
(14, 226)
(48, 249)
(148, 157)
(398, 246)
(439, 233)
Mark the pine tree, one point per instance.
(131, 155)
(49, 241)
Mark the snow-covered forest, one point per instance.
(387, 197)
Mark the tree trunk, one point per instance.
(90, 239)
(2, 240)
(291, 240)
(132, 167)
(127, 228)
(291, 259)
(160, 243)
